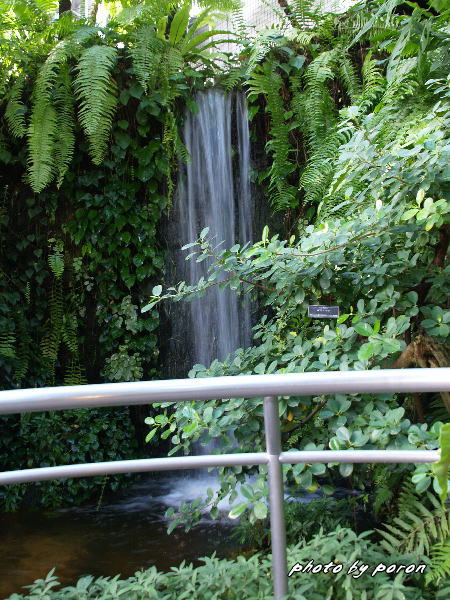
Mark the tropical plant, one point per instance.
(385, 264)
(161, 48)
(421, 527)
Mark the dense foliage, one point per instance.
(354, 111)
(375, 129)
(77, 258)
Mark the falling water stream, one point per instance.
(129, 532)
(213, 194)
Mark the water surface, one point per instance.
(126, 534)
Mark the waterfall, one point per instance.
(244, 202)
(214, 192)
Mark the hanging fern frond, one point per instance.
(69, 333)
(383, 14)
(348, 77)
(238, 23)
(74, 374)
(64, 135)
(269, 83)
(318, 173)
(318, 106)
(305, 13)
(375, 29)
(51, 342)
(56, 263)
(438, 411)
(50, 131)
(146, 53)
(23, 352)
(16, 109)
(41, 143)
(373, 83)
(387, 480)
(48, 6)
(175, 62)
(303, 38)
(232, 78)
(7, 343)
(97, 93)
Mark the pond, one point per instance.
(127, 533)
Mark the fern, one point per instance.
(15, 109)
(438, 411)
(347, 75)
(238, 23)
(96, 91)
(417, 528)
(373, 83)
(318, 106)
(7, 342)
(305, 13)
(146, 53)
(387, 480)
(69, 333)
(64, 135)
(269, 82)
(51, 342)
(261, 46)
(23, 352)
(383, 14)
(303, 38)
(74, 374)
(317, 176)
(41, 143)
(56, 262)
(233, 77)
(50, 132)
(440, 562)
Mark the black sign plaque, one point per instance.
(320, 311)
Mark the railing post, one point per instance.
(276, 497)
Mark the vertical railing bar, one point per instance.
(276, 497)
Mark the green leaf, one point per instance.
(260, 510)
(298, 61)
(156, 291)
(441, 468)
(151, 434)
(366, 351)
(179, 24)
(363, 328)
(342, 318)
(408, 214)
(148, 307)
(343, 434)
(346, 469)
(237, 510)
(247, 491)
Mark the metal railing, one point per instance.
(243, 386)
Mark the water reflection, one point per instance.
(126, 534)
